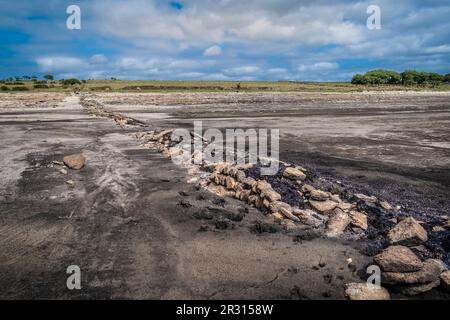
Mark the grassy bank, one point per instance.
(209, 86)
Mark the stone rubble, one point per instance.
(322, 210)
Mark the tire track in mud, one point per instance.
(126, 260)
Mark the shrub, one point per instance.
(40, 86)
(70, 82)
(49, 77)
(19, 89)
(4, 88)
(447, 78)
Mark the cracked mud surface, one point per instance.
(124, 222)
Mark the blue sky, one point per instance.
(320, 40)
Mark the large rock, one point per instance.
(276, 206)
(429, 273)
(310, 218)
(358, 219)
(319, 195)
(323, 206)
(412, 290)
(220, 190)
(398, 259)
(338, 222)
(445, 280)
(362, 291)
(271, 195)
(288, 214)
(294, 174)
(75, 161)
(408, 232)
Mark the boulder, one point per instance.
(337, 223)
(277, 216)
(310, 218)
(230, 183)
(344, 206)
(306, 188)
(249, 182)
(323, 206)
(335, 198)
(445, 280)
(363, 291)
(288, 214)
(408, 232)
(271, 195)
(398, 259)
(429, 273)
(294, 174)
(358, 219)
(220, 190)
(412, 290)
(277, 205)
(75, 161)
(319, 195)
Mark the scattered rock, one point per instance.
(323, 206)
(337, 223)
(408, 232)
(58, 163)
(413, 290)
(398, 259)
(75, 161)
(71, 183)
(385, 205)
(358, 219)
(429, 273)
(438, 229)
(294, 174)
(63, 171)
(362, 291)
(445, 280)
(364, 197)
(446, 225)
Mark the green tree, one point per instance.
(49, 77)
(359, 79)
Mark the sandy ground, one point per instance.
(124, 223)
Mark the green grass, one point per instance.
(218, 86)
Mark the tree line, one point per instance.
(406, 78)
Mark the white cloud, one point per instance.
(213, 51)
(98, 58)
(242, 71)
(318, 66)
(60, 64)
